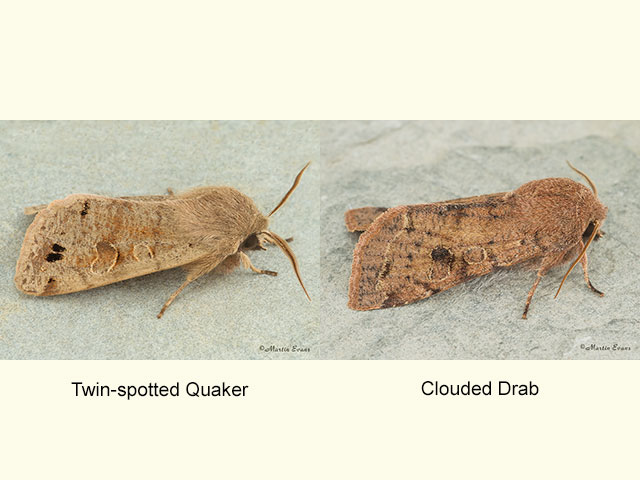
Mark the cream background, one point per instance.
(321, 419)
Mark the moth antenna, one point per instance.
(584, 250)
(585, 176)
(288, 194)
(284, 246)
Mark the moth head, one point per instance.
(591, 209)
(594, 213)
(256, 240)
(589, 231)
(252, 242)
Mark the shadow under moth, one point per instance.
(86, 241)
(411, 252)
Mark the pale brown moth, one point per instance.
(86, 241)
(411, 252)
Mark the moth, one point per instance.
(86, 241)
(411, 252)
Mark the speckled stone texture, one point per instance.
(248, 316)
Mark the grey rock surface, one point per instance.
(246, 316)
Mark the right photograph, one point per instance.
(480, 240)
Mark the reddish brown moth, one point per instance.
(411, 252)
(86, 241)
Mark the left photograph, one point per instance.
(217, 217)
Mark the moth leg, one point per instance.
(542, 271)
(175, 294)
(531, 292)
(584, 263)
(246, 263)
(195, 270)
(170, 192)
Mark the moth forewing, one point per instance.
(412, 252)
(86, 241)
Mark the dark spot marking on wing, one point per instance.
(392, 300)
(54, 257)
(50, 287)
(441, 254)
(425, 285)
(452, 206)
(57, 248)
(490, 203)
(85, 209)
(410, 228)
(385, 269)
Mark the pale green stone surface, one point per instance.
(355, 164)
